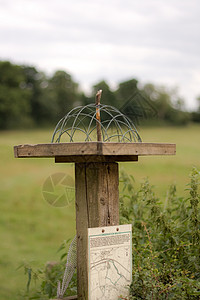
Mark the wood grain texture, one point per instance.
(97, 204)
(93, 148)
(95, 158)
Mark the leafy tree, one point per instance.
(36, 82)
(14, 97)
(63, 91)
(198, 99)
(196, 114)
(108, 97)
(167, 103)
(28, 97)
(133, 103)
(126, 91)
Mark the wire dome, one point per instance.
(79, 125)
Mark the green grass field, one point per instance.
(32, 230)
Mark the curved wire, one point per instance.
(83, 118)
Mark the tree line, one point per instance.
(30, 98)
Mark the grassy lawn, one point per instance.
(32, 230)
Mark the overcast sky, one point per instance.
(154, 41)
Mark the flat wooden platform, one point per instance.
(93, 151)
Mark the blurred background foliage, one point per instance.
(29, 99)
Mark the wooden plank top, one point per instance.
(93, 148)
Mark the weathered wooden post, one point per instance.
(96, 168)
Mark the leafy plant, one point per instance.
(166, 248)
(48, 278)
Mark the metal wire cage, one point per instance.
(79, 125)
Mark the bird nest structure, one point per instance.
(95, 122)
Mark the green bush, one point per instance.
(166, 236)
(48, 278)
(166, 244)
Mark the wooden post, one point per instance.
(96, 181)
(97, 204)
